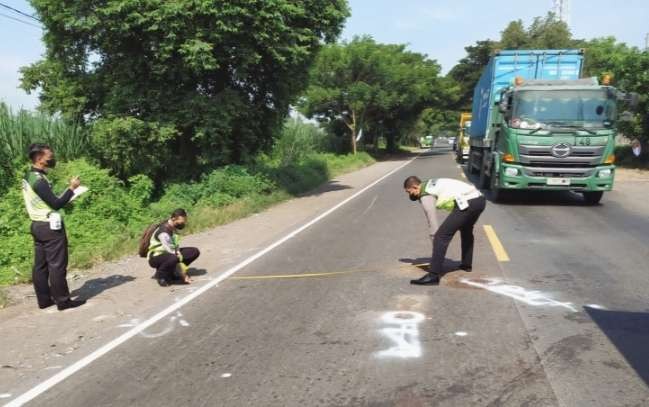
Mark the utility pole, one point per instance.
(646, 42)
(561, 10)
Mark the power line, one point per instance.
(15, 10)
(20, 21)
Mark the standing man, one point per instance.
(465, 204)
(165, 254)
(48, 230)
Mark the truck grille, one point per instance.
(578, 156)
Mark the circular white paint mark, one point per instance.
(5, 395)
(461, 333)
(226, 375)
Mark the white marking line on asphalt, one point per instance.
(404, 332)
(77, 366)
(529, 297)
(5, 395)
(596, 306)
(461, 333)
(226, 375)
(371, 205)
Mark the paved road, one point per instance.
(564, 322)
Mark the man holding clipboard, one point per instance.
(48, 230)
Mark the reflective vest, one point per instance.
(447, 189)
(155, 245)
(37, 209)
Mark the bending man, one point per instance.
(465, 204)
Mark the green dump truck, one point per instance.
(537, 126)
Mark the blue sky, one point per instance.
(439, 28)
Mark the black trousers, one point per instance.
(457, 220)
(165, 264)
(50, 264)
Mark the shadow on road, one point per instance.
(629, 332)
(423, 262)
(193, 272)
(96, 286)
(327, 187)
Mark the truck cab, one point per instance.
(538, 126)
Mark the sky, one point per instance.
(438, 28)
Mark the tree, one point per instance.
(467, 72)
(544, 33)
(380, 88)
(207, 80)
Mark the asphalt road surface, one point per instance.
(329, 318)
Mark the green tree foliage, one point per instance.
(379, 88)
(210, 81)
(544, 33)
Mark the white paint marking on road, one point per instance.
(226, 375)
(461, 333)
(371, 205)
(182, 322)
(80, 364)
(5, 395)
(596, 306)
(404, 333)
(57, 367)
(529, 297)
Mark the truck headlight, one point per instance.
(604, 174)
(512, 172)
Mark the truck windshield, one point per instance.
(563, 108)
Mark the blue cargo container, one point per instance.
(504, 66)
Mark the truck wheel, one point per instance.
(593, 197)
(471, 160)
(497, 194)
(484, 182)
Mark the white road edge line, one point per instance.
(77, 366)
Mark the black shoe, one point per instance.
(428, 279)
(163, 282)
(466, 268)
(70, 304)
(46, 304)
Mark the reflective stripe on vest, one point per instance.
(446, 190)
(155, 246)
(37, 209)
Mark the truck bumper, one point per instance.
(598, 178)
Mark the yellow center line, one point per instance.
(498, 248)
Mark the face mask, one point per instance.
(413, 197)
(180, 226)
(637, 151)
(51, 163)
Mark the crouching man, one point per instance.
(165, 254)
(465, 204)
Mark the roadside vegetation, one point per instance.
(107, 222)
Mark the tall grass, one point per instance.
(20, 129)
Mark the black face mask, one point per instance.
(414, 197)
(180, 226)
(51, 163)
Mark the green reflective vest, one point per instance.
(446, 190)
(37, 209)
(155, 245)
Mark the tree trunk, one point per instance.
(352, 128)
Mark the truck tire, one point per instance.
(497, 194)
(470, 162)
(593, 197)
(484, 182)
